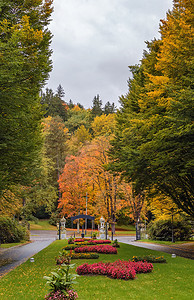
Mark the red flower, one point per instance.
(108, 249)
(119, 269)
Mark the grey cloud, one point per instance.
(95, 41)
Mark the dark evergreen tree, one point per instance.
(109, 108)
(96, 107)
(53, 104)
(70, 104)
(60, 92)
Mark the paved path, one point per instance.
(17, 255)
(184, 250)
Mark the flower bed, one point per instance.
(118, 269)
(84, 256)
(150, 258)
(83, 243)
(91, 241)
(71, 247)
(100, 241)
(71, 295)
(106, 249)
(63, 260)
(80, 240)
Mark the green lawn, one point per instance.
(169, 243)
(41, 225)
(173, 280)
(12, 244)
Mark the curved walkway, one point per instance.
(19, 254)
(184, 250)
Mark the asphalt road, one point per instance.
(184, 250)
(17, 255)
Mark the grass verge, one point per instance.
(165, 242)
(13, 244)
(173, 280)
(41, 225)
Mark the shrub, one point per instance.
(54, 218)
(64, 258)
(162, 230)
(60, 283)
(71, 240)
(11, 231)
(118, 269)
(150, 258)
(94, 235)
(107, 249)
(116, 244)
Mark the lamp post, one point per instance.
(106, 229)
(86, 213)
(138, 237)
(59, 229)
(63, 229)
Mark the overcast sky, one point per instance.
(95, 41)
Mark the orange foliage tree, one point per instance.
(72, 187)
(86, 173)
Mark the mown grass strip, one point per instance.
(173, 280)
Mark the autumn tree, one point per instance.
(134, 203)
(73, 188)
(11, 202)
(55, 137)
(104, 125)
(77, 117)
(154, 140)
(78, 139)
(162, 207)
(25, 64)
(100, 185)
